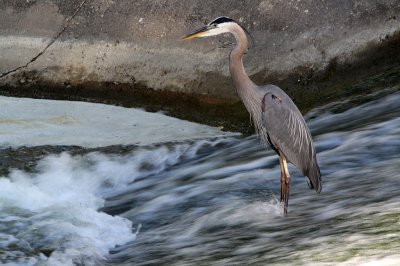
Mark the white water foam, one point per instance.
(58, 212)
(52, 216)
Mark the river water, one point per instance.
(214, 201)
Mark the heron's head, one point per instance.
(215, 27)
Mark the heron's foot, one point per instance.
(287, 191)
(286, 206)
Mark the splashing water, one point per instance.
(214, 202)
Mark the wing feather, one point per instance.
(288, 132)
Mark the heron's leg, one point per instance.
(287, 184)
(283, 179)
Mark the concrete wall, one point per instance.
(135, 42)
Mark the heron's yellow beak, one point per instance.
(197, 33)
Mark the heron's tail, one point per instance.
(314, 174)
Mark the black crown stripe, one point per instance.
(220, 20)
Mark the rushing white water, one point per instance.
(214, 202)
(58, 208)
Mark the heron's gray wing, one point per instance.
(288, 132)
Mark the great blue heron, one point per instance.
(277, 119)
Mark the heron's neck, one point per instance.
(246, 89)
(240, 79)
